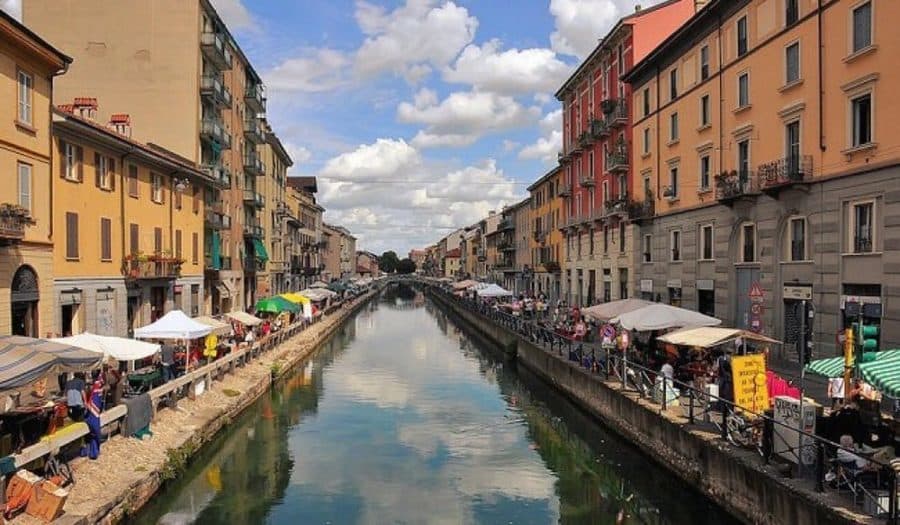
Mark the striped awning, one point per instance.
(24, 360)
(830, 367)
(883, 372)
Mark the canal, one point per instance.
(403, 417)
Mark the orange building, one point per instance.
(763, 137)
(547, 241)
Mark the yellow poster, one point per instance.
(749, 377)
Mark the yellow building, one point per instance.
(547, 240)
(129, 221)
(763, 136)
(272, 278)
(27, 217)
(306, 251)
(175, 67)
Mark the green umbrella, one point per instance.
(276, 305)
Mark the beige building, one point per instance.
(273, 277)
(27, 236)
(306, 252)
(176, 69)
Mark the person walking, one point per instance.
(91, 448)
(836, 392)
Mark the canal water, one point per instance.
(404, 418)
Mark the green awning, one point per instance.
(216, 251)
(260, 250)
(880, 369)
(830, 367)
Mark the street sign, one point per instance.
(609, 331)
(756, 309)
(756, 291)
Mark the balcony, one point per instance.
(13, 220)
(221, 176)
(565, 190)
(253, 229)
(599, 129)
(550, 266)
(617, 206)
(732, 186)
(506, 224)
(585, 139)
(253, 130)
(253, 265)
(641, 211)
(617, 160)
(215, 220)
(255, 98)
(214, 132)
(254, 199)
(156, 266)
(587, 181)
(215, 49)
(253, 165)
(781, 174)
(213, 89)
(506, 245)
(618, 116)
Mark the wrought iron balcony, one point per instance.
(253, 265)
(253, 130)
(13, 220)
(215, 48)
(221, 176)
(617, 160)
(255, 97)
(214, 89)
(506, 224)
(734, 185)
(565, 190)
(215, 220)
(599, 128)
(213, 131)
(619, 114)
(639, 211)
(253, 228)
(784, 173)
(254, 199)
(253, 165)
(587, 181)
(585, 139)
(155, 266)
(618, 206)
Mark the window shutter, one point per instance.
(79, 160)
(63, 159)
(71, 235)
(112, 173)
(105, 240)
(178, 244)
(135, 245)
(157, 240)
(194, 244)
(97, 169)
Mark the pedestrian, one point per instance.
(836, 392)
(91, 449)
(167, 358)
(75, 396)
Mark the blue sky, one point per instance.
(418, 116)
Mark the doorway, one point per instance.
(745, 278)
(157, 303)
(24, 302)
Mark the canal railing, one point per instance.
(170, 392)
(701, 410)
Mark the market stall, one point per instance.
(219, 328)
(276, 305)
(464, 285)
(606, 311)
(27, 359)
(244, 318)
(301, 300)
(658, 316)
(492, 291)
(175, 325)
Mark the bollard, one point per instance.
(820, 467)
(691, 406)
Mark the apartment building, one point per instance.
(764, 138)
(129, 221)
(500, 248)
(447, 245)
(188, 87)
(348, 253)
(367, 264)
(595, 158)
(307, 244)
(547, 211)
(520, 280)
(274, 187)
(27, 236)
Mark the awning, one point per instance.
(276, 305)
(658, 316)
(881, 369)
(216, 250)
(462, 285)
(119, 348)
(706, 337)
(606, 311)
(829, 367)
(244, 318)
(224, 289)
(260, 250)
(173, 325)
(24, 360)
(219, 328)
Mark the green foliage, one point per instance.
(388, 262)
(406, 266)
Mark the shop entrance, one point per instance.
(24, 302)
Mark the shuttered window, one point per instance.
(71, 235)
(195, 241)
(135, 238)
(25, 185)
(105, 239)
(157, 240)
(133, 190)
(178, 244)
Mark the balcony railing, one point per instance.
(13, 220)
(506, 224)
(587, 181)
(642, 210)
(733, 185)
(217, 221)
(253, 165)
(221, 176)
(599, 128)
(785, 172)
(254, 199)
(252, 264)
(253, 130)
(214, 131)
(155, 266)
(619, 114)
(617, 206)
(253, 228)
(585, 139)
(617, 159)
(212, 87)
(565, 190)
(255, 97)
(215, 47)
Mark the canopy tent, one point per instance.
(276, 305)
(218, 327)
(659, 316)
(317, 294)
(303, 301)
(244, 318)
(462, 285)
(118, 348)
(706, 337)
(828, 367)
(606, 311)
(25, 360)
(173, 325)
(319, 284)
(881, 369)
(492, 290)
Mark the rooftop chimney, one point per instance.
(637, 8)
(121, 124)
(85, 107)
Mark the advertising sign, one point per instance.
(749, 379)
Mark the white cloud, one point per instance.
(299, 154)
(13, 7)
(235, 15)
(512, 71)
(580, 24)
(413, 37)
(384, 158)
(462, 117)
(314, 71)
(546, 147)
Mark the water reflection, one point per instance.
(403, 418)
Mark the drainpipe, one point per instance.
(658, 142)
(822, 145)
(721, 97)
(122, 200)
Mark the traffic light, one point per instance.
(810, 314)
(867, 336)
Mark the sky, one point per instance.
(417, 116)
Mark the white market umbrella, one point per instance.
(659, 316)
(493, 290)
(318, 284)
(173, 325)
(606, 311)
(118, 348)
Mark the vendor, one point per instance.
(75, 396)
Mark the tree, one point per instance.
(388, 262)
(406, 266)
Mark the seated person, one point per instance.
(851, 460)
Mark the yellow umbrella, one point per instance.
(295, 298)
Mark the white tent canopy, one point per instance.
(244, 318)
(319, 284)
(705, 337)
(317, 294)
(218, 327)
(462, 285)
(659, 316)
(118, 348)
(173, 325)
(492, 290)
(606, 311)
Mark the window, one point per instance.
(797, 238)
(743, 160)
(704, 62)
(71, 235)
(195, 200)
(646, 141)
(105, 239)
(177, 196)
(673, 182)
(648, 248)
(25, 94)
(673, 127)
(791, 12)
(620, 58)
(157, 188)
(104, 170)
(134, 238)
(646, 97)
(861, 108)
(621, 236)
(742, 36)
(675, 245)
(157, 240)
(743, 90)
(25, 185)
(862, 27)
(133, 189)
(862, 219)
(792, 63)
(748, 243)
(622, 186)
(706, 242)
(792, 148)
(673, 84)
(71, 166)
(591, 241)
(704, 173)
(178, 244)
(704, 111)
